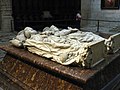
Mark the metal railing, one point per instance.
(97, 23)
(60, 23)
(101, 21)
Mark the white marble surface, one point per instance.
(65, 46)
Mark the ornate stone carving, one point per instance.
(66, 47)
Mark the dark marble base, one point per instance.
(28, 71)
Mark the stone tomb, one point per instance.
(24, 70)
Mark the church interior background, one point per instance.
(97, 15)
(14, 15)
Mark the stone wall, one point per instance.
(5, 15)
(91, 9)
(98, 13)
(85, 11)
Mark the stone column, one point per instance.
(85, 11)
(0, 16)
(6, 14)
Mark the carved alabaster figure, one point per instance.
(65, 46)
(22, 36)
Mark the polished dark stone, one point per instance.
(24, 65)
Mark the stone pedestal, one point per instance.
(32, 72)
(6, 15)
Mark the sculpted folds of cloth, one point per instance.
(65, 46)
